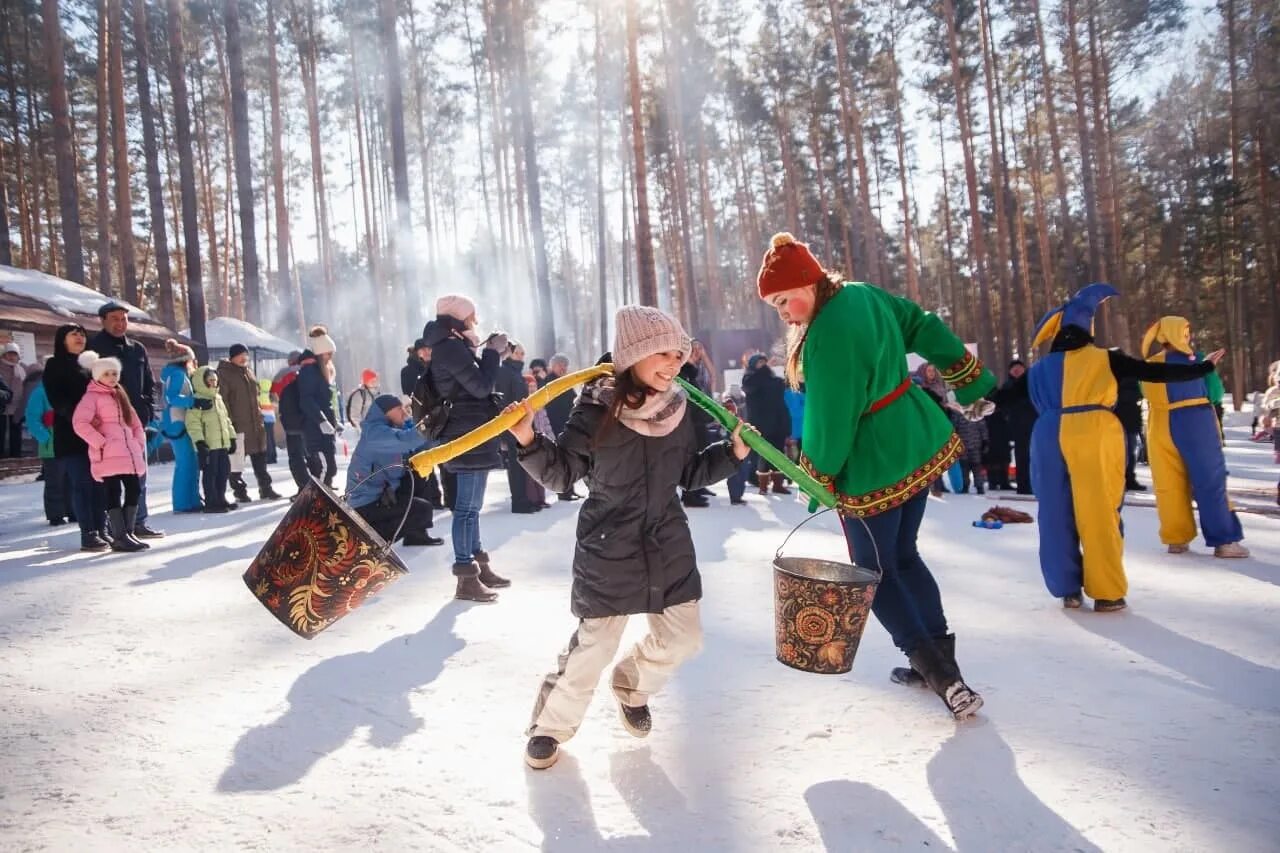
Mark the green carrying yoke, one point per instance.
(757, 442)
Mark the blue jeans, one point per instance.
(88, 497)
(738, 482)
(467, 500)
(907, 603)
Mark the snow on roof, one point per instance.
(64, 297)
(222, 332)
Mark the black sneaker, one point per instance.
(141, 531)
(541, 752)
(636, 720)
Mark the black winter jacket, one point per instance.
(135, 376)
(559, 408)
(315, 398)
(468, 383)
(634, 551)
(767, 403)
(412, 371)
(65, 383)
(511, 384)
(1013, 399)
(1129, 404)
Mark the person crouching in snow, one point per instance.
(633, 438)
(1184, 445)
(877, 440)
(379, 483)
(117, 441)
(1078, 451)
(209, 426)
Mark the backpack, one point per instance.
(430, 410)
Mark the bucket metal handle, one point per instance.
(777, 555)
(408, 509)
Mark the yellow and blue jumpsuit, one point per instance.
(1078, 451)
(1184, 446)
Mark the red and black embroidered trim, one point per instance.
(964, 372)
(895, 495)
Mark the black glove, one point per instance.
(232, 449)
(202, 450)
(202, 404)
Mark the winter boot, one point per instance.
(421, 538)
(130, 519)
(1108, 605)
(636, 721)
(487, 575)
(1231, 551)
(1074, 601)
(694, 500)
(469, 586)
(780, 484)
(240, 489)
(266, 493)
(92, 542)
(142, 531)
(120, 540)
(763, 481)
(943, 678)
(541, 752)
(1179, 549)
(906, 675)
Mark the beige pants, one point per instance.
(675, 635)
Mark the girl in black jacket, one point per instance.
(633, 438)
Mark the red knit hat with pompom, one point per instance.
(787, 265)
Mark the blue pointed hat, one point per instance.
(1076, 311)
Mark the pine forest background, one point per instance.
(299, 161)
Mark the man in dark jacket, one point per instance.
(136, 379)
(559, 408)
(379, 488)
(766, 400)
(1014, 399)
(414, 366)
(512, 387)
(289, 412)
(1129, 413)
(315, 399)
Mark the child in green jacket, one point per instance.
(209, 426)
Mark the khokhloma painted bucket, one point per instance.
(820, 608)
(322, 562)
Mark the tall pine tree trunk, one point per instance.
(102, 153)
(977, 237)
(402, 253)
(291, 316)
(244, 162)
(1070, 259)
(155, 189)
(187, 170)
(602, 254)
(68, 187)
(1088, 188)
(1003, 243)
(120, 149)
(646, 273)
(895, 97)
(1236, 332)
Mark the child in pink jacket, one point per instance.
(105, 419)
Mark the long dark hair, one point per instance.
(826, 290)
(628, 393)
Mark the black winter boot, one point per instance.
(943, 678)
(240, 489)
(541, 752)
(266, 493)
(906, 675)
(92, 542)
(130, 518)
(120, 539)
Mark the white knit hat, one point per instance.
(97, 365)
(455, 305)
(12, 346)
(319, 342)
(641, 331)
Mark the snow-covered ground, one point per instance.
(151, 703)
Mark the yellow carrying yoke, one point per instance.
(423, 461)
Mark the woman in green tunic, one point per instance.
(876, 439)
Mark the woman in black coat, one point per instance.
(468, 383)
(632, 437)
(1014, 399)
(65, 383)
(767, 403)
(512, 387)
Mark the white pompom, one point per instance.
(88, 359)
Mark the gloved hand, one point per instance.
(202, 451)
(202, 447)
(497, 342)
(327, 428)
(232, 449)
(202, 404)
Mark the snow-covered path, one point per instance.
(151, 703)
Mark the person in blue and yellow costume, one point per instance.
(1184, 444)
(179, 397)
(1077, 451)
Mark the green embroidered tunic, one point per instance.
(873, 442)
